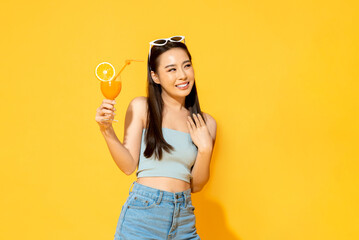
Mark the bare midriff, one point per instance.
(165, 183)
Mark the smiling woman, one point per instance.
(170, 141)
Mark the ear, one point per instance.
(155, 77)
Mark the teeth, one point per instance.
(183, 85)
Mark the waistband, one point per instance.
(160, 194)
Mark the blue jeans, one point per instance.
(151, 213)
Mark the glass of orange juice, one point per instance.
(111, 89)
(110, 84)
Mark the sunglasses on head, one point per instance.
(163, 41)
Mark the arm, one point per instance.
(126, 154)
(201, 168)
(119, 153)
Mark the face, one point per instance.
(174, 69)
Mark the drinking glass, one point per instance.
(111, 88)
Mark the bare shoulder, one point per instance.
(139, 101)
(138, 106)
(211, 124)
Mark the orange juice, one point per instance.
(111, 89)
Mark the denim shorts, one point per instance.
(151, 213)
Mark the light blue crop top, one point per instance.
(176, 164)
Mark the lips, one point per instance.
(182, 84)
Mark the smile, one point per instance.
(183, 86)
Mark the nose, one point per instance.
(182, 74)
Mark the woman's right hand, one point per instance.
(105, 113)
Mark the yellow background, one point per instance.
(280, 78)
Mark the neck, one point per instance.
(173, 103)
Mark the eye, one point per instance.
(188, 65)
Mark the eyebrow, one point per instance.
(175, 65)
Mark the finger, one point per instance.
(201, 120)
(109, 101)
(104, 111)
(109, 115)
(104, 114)
(196, 120)
(100, 120)
(107, 105)
(191, 122)
(189, 127)
(107, 118)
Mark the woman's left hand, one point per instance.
(199, 133)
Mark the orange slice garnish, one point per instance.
(105, 71)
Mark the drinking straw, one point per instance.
(127, 62)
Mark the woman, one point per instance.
(170, 140)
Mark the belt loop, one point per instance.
(185, 200)
(159, 198)
(129, 191)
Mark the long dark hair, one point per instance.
(154, 139)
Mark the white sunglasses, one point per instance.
(163, 41)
